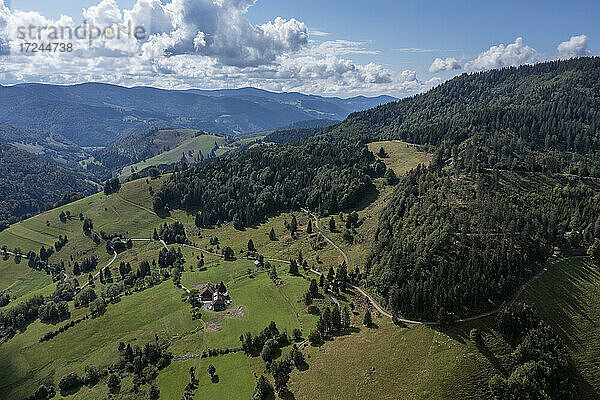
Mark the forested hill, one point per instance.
(28, 182)
(515, 173)
(553, 105)
(50, 145)
(247, 187)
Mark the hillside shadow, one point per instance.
(568, 302)
(585, 387)
(367, 199)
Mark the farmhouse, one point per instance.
(214, 296)
(207, 291)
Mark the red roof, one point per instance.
(208, 288)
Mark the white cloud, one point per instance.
(315, 32)
(203, 44)
(106, 13)
(447, 64)
(219, 29)
(150, 14)
(339, 48)
(513, 54)
(576, 46)
(307, 74)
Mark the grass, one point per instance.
(27, 363)
(236, 381)
(567, 298)
(190, 147)
(125, 213)
(136, 318)
(19, 280)
(402, 157)
(389, 362)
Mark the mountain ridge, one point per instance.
(97, 114)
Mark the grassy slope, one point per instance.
(567, 298)
(20, 280)
(402, 158)
(389, 362)
(29, 363)
(204, 143)
(259, 298)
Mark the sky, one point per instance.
(333, 47)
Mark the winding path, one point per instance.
(97, 273)
(381, 310)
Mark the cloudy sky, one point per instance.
(332, 47)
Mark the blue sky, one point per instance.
(394, 37)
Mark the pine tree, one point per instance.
(368, 320)
(272, 236)
(332, 225)
(154, 393)
(251, 245)
(263, 390)
(211, 370)
(293, 224)
(293, 267)
(76, 270)
(309, 228)
(314, 287)
(308, 300)
(331, 275)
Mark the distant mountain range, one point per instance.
(97, 114)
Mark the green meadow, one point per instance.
(383, 362)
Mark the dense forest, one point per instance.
(28, 182)
(542, 368)
(515, 173)
(449, 244)
(551, 106)
(247, 187)
(292, 135)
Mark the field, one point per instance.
(389, 362)
(19, 280)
